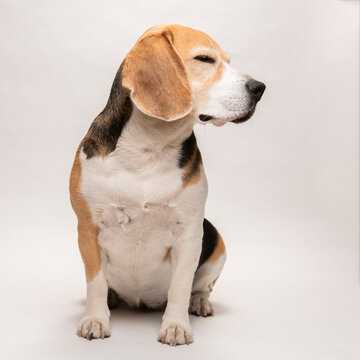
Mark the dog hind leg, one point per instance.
(211, 263)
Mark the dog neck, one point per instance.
(154, 134)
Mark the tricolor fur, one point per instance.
(138, 185)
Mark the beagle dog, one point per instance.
(138, 185)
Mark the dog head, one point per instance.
(173, 71)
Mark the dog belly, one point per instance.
(138, 267)
(149, 289)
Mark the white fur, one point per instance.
(95, 323)
(228, 99)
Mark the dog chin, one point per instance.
(245, 117)
(219, 122)
(215, 121)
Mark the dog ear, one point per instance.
(156, 77)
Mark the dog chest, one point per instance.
(118, 196)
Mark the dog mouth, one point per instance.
(205, 118)
(244, 118)
(219, 122)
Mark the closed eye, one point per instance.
(204, 58)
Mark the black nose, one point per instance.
(256, 88)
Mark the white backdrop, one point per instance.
(283, 187)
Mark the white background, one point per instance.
(283, 187)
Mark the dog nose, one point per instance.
(256, 88)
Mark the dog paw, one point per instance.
(94, 327)
(175, 334)
(200, 305)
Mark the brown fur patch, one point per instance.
(212, 284)
(156, 76)
(167, 257)
(218, 251)
(218, 74)
(87, 230)
(185, 39)
(192, 170)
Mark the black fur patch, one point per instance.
(209, 241)
(107, 127)
(187, 149)
(112, 299)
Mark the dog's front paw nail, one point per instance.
(94, 328)
(175, 334)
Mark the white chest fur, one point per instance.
(137, 200)
(119, 193)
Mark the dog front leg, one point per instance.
(175, 328)
(96, 322)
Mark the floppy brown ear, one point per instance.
(156, 77)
